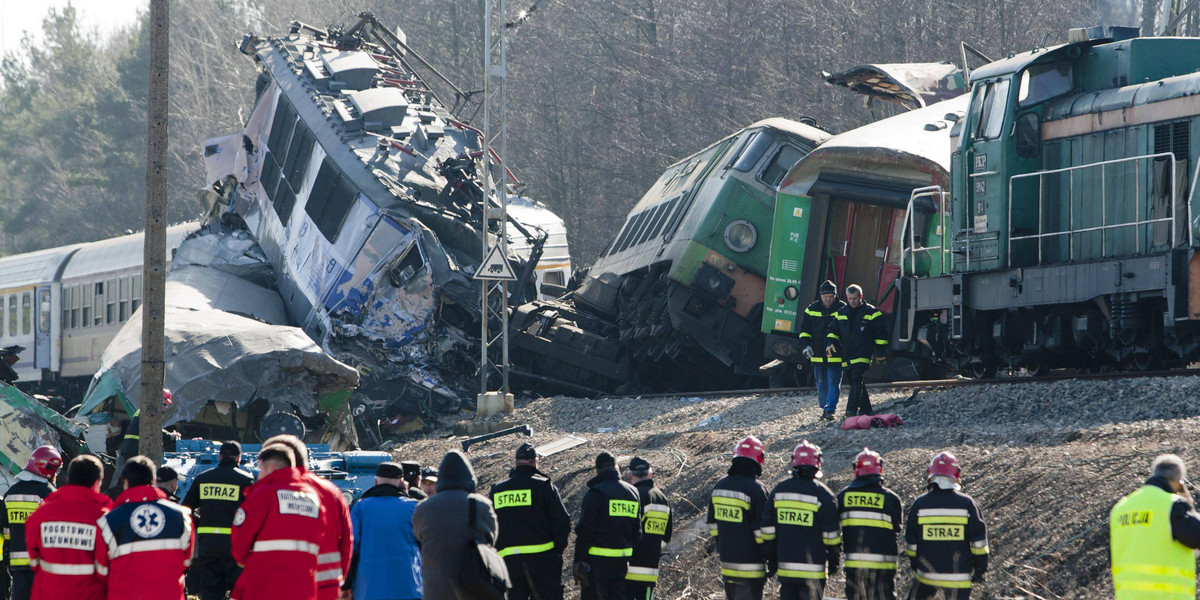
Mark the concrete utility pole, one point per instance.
(154, 267)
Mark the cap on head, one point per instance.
(526, 452)
(604, 460)
(429, 474)
(750, 448)
(167, 474)
(44, 461)
(827, 287)
(389, 470)
(639, 466)
(807, 454)
(944, 465)
(868, 462)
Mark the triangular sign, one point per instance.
(494, 267)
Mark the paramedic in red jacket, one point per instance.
(61, 535)
(277, 532)
(337, 543)
(145, 542)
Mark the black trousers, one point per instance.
(737, 588)
(857, 403)
(870, 584)
(639, 590)
(801, 589)
(22, 584)
(921, 591)
(212, 577)
(603, 588)
(535, 576)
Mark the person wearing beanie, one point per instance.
(827, 370)
(214, 498)
(735, 521)
(386, 561)
(945, 537)
(800, 528)
(534, 526)
(443, 526)
(168, 482)
(610, 525)
(657, 525)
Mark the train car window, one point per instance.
(123, 303)
(754, 151)
(784, 160)
(110, 309)
(994, 104)
(135, 292)
(65, 300)
(296, 163)
(76, 299)
(26, 313)
(281, 127)
(12, 315)
(2, 316)
(44, 314)
(98, 305)
(270, 175)
(1042, 82)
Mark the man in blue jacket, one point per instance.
(386, 563)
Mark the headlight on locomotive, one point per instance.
(740, 236)
(791, 293)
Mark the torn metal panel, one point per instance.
(24, 425)
(913, 85)
(561, 444)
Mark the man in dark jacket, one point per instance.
(657, 525)
(827, 370)
(441, 526)
(386, 564)
(802, 519)
(856, 334)
(25, 496)
(412, 480)
(946, 538)
(608, 529)
(870, 515)
(734, 518)
(214, 498)
(534, 526)
(1152, 533)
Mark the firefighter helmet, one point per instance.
(44, 461)
(868, 462)
(945, 465)
(750, 448)
(807, 454)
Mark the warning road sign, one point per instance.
(494, 267)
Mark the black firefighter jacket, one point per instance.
(657, 525)
(814, 326)
(214, 497)
(946, 539)
(858, 334)
(24, 497)
(802, 519)
(734, 518)
(530, 513)
(610, 525)
(871, 517)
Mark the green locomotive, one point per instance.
(675, 299)
(1070, 234)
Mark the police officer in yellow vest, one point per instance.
(1152, 533)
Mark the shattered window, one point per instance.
(26, 313)
(784, 160)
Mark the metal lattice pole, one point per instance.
(495, 134)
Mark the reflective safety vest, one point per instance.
(1146, 561)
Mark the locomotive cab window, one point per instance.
(1045, 81)
(754, 149)
(785, 158)
(989, 106)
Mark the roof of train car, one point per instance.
(796, 128)
(33, 267)
(120, 253)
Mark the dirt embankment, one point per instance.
(1045, 462)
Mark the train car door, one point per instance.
(44, 311)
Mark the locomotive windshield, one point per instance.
(753, 151)
(988, 107)
(1044, 81)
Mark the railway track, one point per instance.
(927, 384)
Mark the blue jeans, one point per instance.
(829, 377)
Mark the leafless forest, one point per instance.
(603, 94)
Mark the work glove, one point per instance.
(977, 577)
(580, 572)
(829, 350)
(807, 352)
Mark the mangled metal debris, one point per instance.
(912, 85)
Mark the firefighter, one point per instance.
(277, 532)
(856, 334)
(25, 496)
(337, 542)
(657, 524)
(609, 527)
(62, 535)
(946, 538)
(734, 513)
(827, 370)
(870, 517)
(129, 444)
(801, 519)
(1152, 534)
(145, 542)
(215, 496)
(534, 526)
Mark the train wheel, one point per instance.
(1036, 368)
(1142, 361)
(981, 370)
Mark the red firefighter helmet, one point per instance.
(166, 396)
(946, 465)
(868, 462)
(44, 461)
(750, 448)
(807, 454)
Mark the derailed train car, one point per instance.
(675, 299)
(1069, 239)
